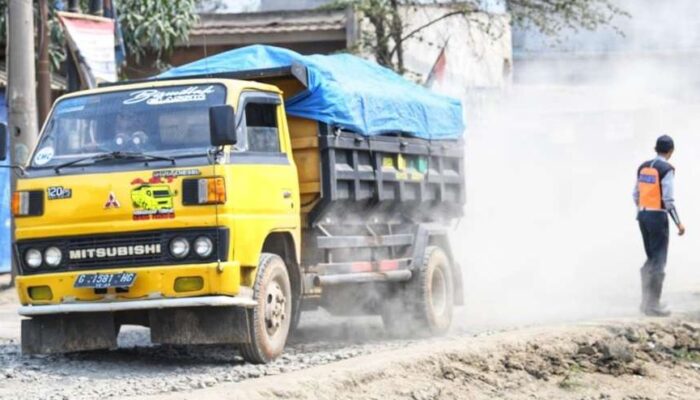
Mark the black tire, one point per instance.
(433, 290)
(425, 304)
(270, 320)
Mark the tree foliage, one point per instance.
(155, 25)
(550, 17)
(148, 26)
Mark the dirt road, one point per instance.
(632, 360)
(628, 358)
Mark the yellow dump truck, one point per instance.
(233, 219)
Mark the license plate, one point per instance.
(104, 281)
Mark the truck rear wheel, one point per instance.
(269, 321)
(435, 297)
(425, 305)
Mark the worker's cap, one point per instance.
(664, 144)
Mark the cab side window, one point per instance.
(261, 127)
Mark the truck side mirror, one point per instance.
(3, 142)
(222, 125)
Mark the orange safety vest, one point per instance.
(649, 178)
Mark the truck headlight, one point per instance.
(179, 247)
(33, 258)
(203, 246)
(53, 256)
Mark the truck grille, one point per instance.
(132, 249)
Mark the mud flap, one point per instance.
(65, 333)
(428, 234)
(199, 325)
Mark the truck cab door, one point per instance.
(266, 187)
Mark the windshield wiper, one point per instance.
(130, 155)
(115, 155)
(93, 158)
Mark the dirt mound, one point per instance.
(628, 360)
(642, 351)
(625, 351)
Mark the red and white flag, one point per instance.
(438, 72)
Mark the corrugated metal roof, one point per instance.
(270, 22)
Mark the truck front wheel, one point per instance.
(269, 321)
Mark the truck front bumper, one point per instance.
(154, 288)
(153, 304)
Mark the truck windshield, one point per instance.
(171, 120)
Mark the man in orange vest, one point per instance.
(653, 195)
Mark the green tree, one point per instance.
(155, 25)
(148, 26)
(551, 17)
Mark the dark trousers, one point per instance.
(654, 227)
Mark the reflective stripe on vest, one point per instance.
(649, 184)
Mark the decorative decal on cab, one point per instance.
(152, 199)
(43, 156)
(155, 97)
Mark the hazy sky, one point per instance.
(653, 26)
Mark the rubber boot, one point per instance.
(646, 283)
(655, 308)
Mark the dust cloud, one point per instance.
(549, 232)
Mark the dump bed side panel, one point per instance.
(346, 178)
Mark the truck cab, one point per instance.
(125, 204)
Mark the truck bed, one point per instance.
(350, 178)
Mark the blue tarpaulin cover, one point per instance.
(346, 91)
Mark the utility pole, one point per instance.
(21, 75)
(21, 90)
(44, 73)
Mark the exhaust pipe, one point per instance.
(401, 275)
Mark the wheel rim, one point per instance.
(275, 308)
(438, 292)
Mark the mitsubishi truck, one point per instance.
(196, 205)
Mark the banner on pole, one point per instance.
(91, 42)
